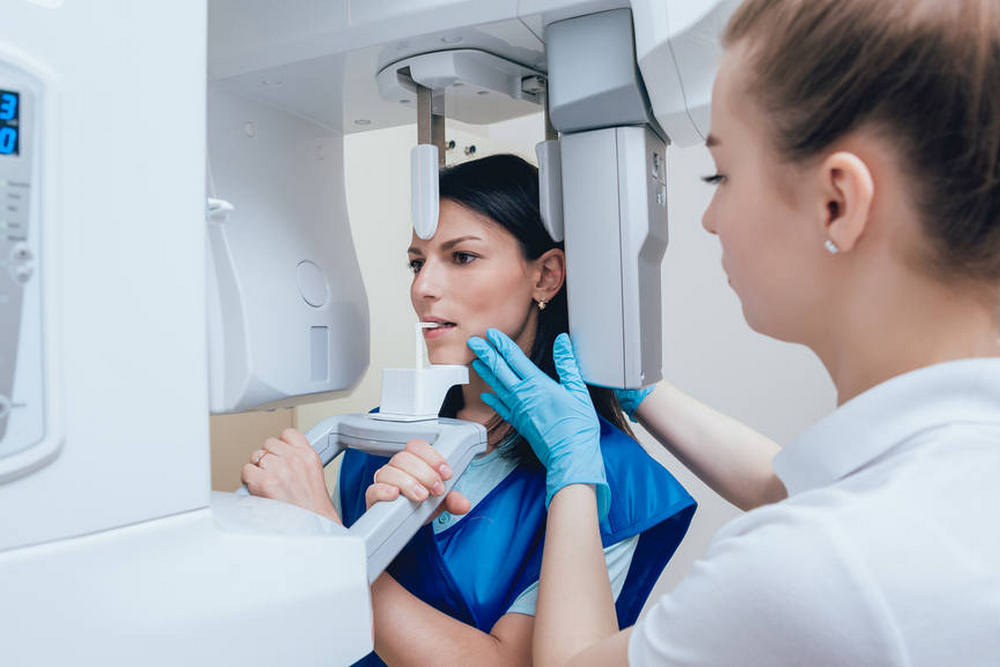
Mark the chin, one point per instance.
(451, 354)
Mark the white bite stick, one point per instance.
(420, 340)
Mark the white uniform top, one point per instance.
(886, 552)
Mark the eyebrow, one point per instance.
(447, 245)
(712, 140)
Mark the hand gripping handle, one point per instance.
(388, 526)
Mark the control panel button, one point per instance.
(21, 252)
(22, 274)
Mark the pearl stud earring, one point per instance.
(831, 247)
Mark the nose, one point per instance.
(428, 282)
(708, 218)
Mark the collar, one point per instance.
(870, 424)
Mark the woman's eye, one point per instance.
(463, 257)
(714, 179)
(415, 265)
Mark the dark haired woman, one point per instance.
(858, 207)
(463, 591)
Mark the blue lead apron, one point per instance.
(474, 570)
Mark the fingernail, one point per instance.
(445, 471)
(438, 488)
(420, 492)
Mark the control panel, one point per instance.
(22, 344)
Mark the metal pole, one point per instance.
(430, 119)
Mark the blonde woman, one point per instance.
(857, 144)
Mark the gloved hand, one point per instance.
(556, 418)
(630, 399)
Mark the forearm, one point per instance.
(576, 609)
(409, 631)
(729, 456)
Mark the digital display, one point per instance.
(10, 131)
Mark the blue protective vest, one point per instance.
(474, 570)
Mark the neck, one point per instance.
(915, 323)
(474, 409)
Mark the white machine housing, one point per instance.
(112, 544)
(288, 317)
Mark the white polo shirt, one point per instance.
(886, 552)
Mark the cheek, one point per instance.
(768, 266)
(479, 298)
(496, 299)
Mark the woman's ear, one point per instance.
(551, 274)
(847, 188)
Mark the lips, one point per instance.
(440, 328)
(439, 323)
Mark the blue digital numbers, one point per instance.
(8, 105)
(9, 124)
(8, 141)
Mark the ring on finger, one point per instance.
(261, 458)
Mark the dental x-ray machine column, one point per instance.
(174, 242)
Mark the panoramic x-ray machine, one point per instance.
(143, 142)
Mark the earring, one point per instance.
(541, 304)
(831, 247)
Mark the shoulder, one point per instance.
(620, 449)
(643, 492)
(777, 585)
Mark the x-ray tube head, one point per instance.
(616, 234)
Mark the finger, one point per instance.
(265, 459)
(501, 391)
(254, 478)
(380, 493)
(488, 356)
(277, 447)
(295, 438)
(497, 405)
(299, 443)
(566, 366)
(512, 353)
(406, 484)
(287, 462)
(456, 503)
(430, 456)
(419, 470)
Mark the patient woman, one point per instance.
(463, 591)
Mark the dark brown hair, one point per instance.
(925, 73)
(504, 188)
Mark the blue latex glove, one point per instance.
(556, 418)
(630, 399)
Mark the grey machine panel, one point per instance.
(614, 197)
